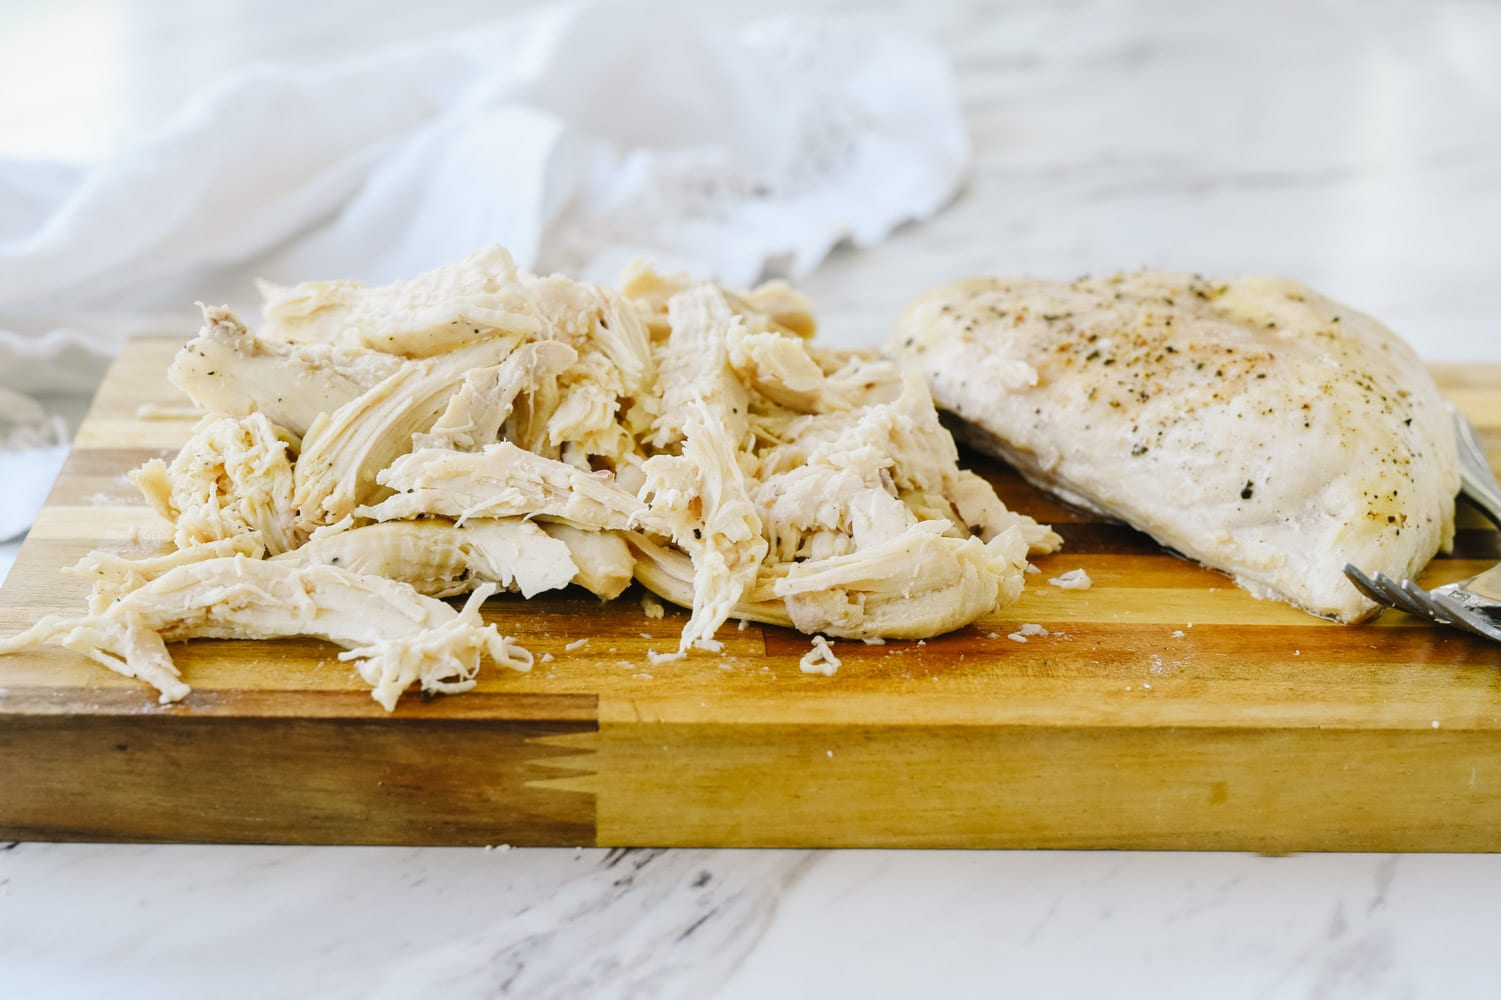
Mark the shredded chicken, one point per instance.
(502, 480)
(394, 634)
(443, 559)
(114, 576)
(917, 584)
(604, 560)
(344, 452)
(477, 412)
(230, 371)
(232, 477)
(476, 428)
(420, 317)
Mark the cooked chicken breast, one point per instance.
(1253, 425)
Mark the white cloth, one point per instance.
(577, 136)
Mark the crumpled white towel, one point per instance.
(578, 137)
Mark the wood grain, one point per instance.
(1165, 709)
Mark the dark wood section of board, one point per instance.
(285, 780)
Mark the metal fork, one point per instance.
(1473, 604)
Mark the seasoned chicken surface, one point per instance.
(230, 371)
(418, 317)
(1253, 425)
(478, 428)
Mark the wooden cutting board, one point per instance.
(1165, 709)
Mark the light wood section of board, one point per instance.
(1165, 709)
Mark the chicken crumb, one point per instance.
(709, 645)
(1074, 579)
(1017, 637)
(576, 645)
(820, 659)
(1031, 628)
(652, 607)
(548, 657)
(873, 640)
(1031, 570)
(993, 635)
(657, 659)
(1178, 633)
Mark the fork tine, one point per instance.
(1423, 599)
(1398, 598)
(1363, 583)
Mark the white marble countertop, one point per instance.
(148, 921)
(1357, 148)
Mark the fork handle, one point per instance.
(1477, 482)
